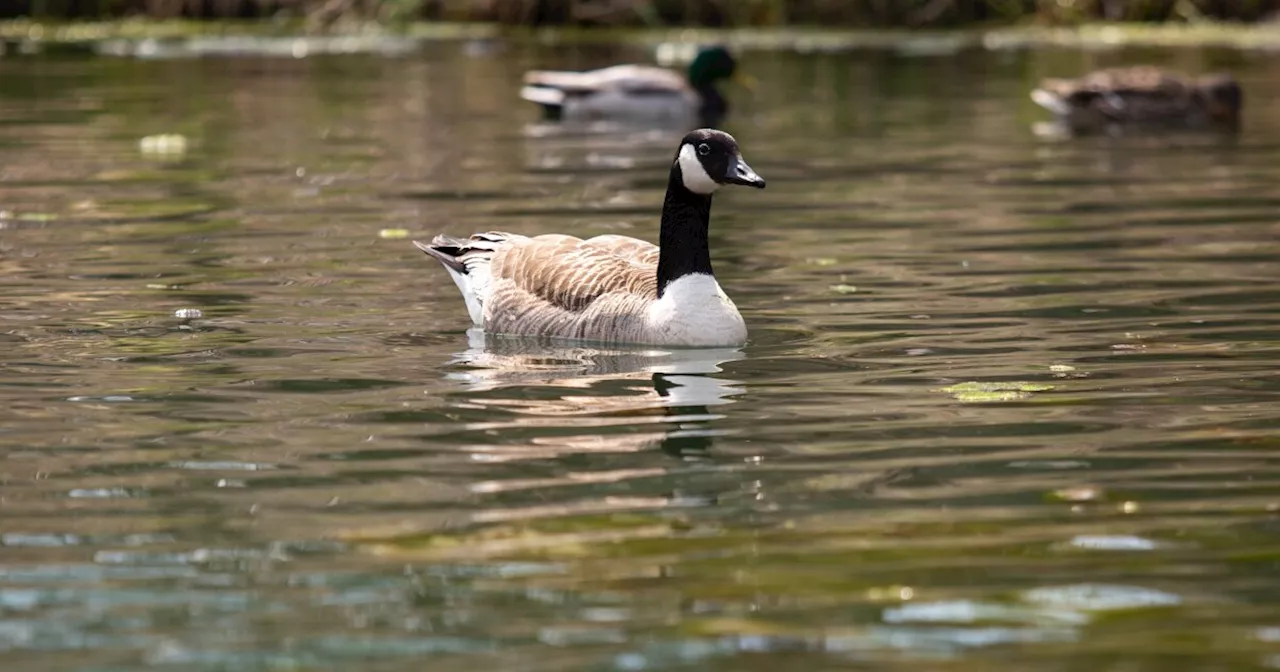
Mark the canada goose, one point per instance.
(636, 92)
(612, 288)
(1141, 96)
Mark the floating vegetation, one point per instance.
(36, 217)
(169, 143)
(1078, 494)
(973, 391)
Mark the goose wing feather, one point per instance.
(570, 273)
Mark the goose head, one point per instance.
(708, 159)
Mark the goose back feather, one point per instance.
(558, 285)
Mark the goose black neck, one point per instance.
(682, 243)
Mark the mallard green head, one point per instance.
(711, 65)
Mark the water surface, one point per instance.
(1010, 401)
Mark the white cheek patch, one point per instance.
(695, 176)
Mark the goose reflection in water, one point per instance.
(596, 389)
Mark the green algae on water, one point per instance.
(975, 392)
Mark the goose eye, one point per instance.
(704, 149)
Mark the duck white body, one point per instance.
(612, 288)
(618, 93)
(635, 93)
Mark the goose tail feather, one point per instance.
(446, 250)
(467, 261)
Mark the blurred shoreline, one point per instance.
(128, 36)
(322, 14)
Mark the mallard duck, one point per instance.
(612, 288)
(1141, 96)
(636, 92)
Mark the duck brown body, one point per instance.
(1143, 96)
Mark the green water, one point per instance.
(325, 471)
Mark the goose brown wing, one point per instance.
(571, 273)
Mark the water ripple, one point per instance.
(1009, 401)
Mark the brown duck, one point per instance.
(1143, 96)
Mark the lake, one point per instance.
(1010, 400)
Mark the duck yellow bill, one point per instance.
(745, 81)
